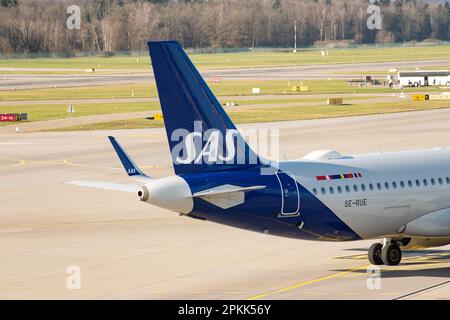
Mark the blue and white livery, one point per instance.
(402, 197)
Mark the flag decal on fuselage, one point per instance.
(339, 176)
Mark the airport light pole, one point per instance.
(295, 36)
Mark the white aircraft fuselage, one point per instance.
(393, 191)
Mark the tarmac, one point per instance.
(345, 71)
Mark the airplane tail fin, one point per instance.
(201, 136)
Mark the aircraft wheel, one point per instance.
(391, 254)
(375, 254)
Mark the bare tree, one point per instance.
(114, 25)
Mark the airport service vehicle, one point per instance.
(403, 198)
(424, 78)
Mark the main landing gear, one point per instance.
(390, 254)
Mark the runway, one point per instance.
(127, 249)
(303, 72)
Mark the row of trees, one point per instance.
(122, 25)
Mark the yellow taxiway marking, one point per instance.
(154, 167)
(433, 256)
(426, 257)
(349, 273)
(353, 257)
(306, 283)
(69, 163)
(19, 163)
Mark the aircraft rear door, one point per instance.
(290, 196)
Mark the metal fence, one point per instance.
(325, 45)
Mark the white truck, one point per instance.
(424, 78)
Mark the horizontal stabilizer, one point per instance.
(130, 188)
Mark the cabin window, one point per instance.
(417, 183)
(447, 180)
(339, 189)
(441, 182)
(425, 182)
(394, 185)
(386, 185)
(355, 188)
(371, 187)
(433, 182)
(379, 186)
(347, 189)
(323, 190)
(402, 184)
(315, 191)
(331, 190)
(410, 184)
(363, 187)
